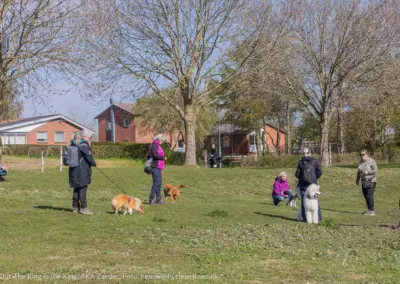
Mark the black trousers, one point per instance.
(79, 197)
(369, 196)
(157, 182)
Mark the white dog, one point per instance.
(310, 203)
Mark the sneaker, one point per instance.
(76, 210)
(370, 213)
(85, 211)
(151, 202)
(160, 202)
(396, 227)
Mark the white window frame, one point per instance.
(55, 140)
(47, 137)
(126, 122)
(108, 122)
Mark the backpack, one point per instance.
(307, 172)
(71, 157)
(147, 166)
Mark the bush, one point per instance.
(394, 155)
(287, 161)
(175, 158)
(120, 150)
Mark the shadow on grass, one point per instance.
(46, 207)
(277, 216)
(348, 212)
(358, 225)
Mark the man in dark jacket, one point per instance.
(80, 176)
(213, 156)
(308, 172)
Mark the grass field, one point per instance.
(226, 229)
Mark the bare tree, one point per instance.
(339, 42)
(35, 38)
(83, 117)
(182, 44)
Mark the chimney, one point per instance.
(112, 116)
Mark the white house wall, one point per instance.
(25, 129)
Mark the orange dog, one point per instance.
(173, 192)
(127, 203)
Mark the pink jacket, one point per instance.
(279, 186)
(157, 153)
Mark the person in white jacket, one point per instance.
(367, 170)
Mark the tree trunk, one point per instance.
(264, 143)
(288, 130)
(278, 140)
(190, 127)
(257, 140)
(340, 129)
(325, 138)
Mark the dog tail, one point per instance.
(114, 203)
(182, 185)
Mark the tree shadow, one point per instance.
(358, 225)
(46, 207)
(348, 212)
(277, 216)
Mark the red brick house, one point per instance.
(54, 129)
(238, 142)
(126, 127)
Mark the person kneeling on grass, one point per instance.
(3, 170)
(281, 189)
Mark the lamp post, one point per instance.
(220, 106)
(219, 140)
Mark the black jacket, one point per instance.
(315, 164)
(81, 175)
(213, 154)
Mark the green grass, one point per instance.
(226, 227)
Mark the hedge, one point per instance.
(100, 150)
(394, 155)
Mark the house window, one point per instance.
(59, 137)
(225, 141)
(108, 125)
(181, 144)
(126, 122)
(20, 139)
(12, 139)
(41, 136)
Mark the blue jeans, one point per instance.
(3, 173)
(156, 188)
(303, 211)
(279, 198)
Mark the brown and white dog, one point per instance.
(127, 203)
(173, 192)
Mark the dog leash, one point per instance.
(110, 180)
